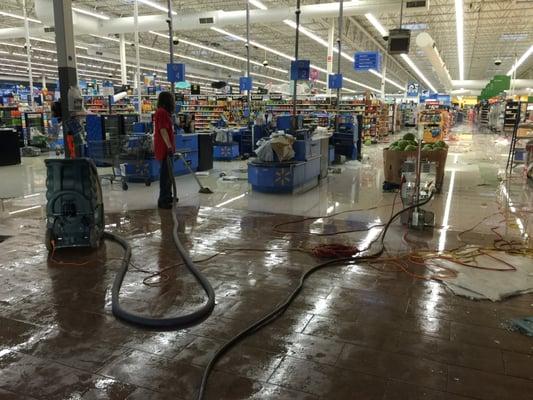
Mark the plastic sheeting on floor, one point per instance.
(492, 285)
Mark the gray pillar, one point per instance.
(28, 52)
(66, 58)
(123, 68)
(383, 76)
(331, 42)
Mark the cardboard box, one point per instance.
(393, 162)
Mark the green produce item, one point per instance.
(413, 142)
(440, 145)
(409, 136)
(402, 143)
(394, 143)
(394, 148)
(410, 148)
(427, 147)
(368, 142)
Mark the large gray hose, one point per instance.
(171, 322)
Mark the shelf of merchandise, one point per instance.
(510, 115)
(437, 124)
(408, 114)
(484, 114)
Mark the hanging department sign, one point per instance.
(176, 72)
(365, 60)
(412, 89)
(300, 70)
(335, 81)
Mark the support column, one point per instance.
(137, 54)
(383, 76)
(66, 59)
(123, 68)
(170, 21)
(329, 60)
(28, 50)
(248, 92)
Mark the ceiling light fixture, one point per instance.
(90, 13)
(7, 14)
(269, 77)
(258, 4)
(376, 24)
(417, 71)
(222, 31)
(521, 60)
(221, 52)
(156, 6)
(190, 58)
(459, 27)
(398, 85)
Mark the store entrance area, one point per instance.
(369, 330)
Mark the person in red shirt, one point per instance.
(164, 145)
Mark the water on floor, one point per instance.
(357, 330)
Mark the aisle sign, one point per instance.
(176, 72)
(300, 70)
(335, 81)
(365, 60)
(412, 89)
(245, 83)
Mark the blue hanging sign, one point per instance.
(412, 89)
(365, 60)
(300, 70)
(176, 72)
(335, 81)
(245, 83)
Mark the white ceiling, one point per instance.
(492, 29)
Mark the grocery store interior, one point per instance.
(266, 199)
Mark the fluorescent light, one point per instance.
(398, 85)
(258, 4)
(269, 77)
(7, 14)
(191, 58)
(221, 52)
(307, 33)
(521, 60)
(460, 37)
(156, 6)
(361, 84)
(382, 31)
(418, 72)
(90, 13)
(279, 53)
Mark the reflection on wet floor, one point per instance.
(364, 331)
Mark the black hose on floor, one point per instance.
(282, 307)
(180, 321)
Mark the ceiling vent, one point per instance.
(207, 20)
(417, 5)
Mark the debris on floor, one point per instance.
(523, 325)
(493, 285)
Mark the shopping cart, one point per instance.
(126, 156)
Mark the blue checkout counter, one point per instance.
(295, 176)
(148, 169)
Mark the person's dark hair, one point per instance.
(56, 109)
(166, 101)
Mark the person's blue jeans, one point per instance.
(165, 184)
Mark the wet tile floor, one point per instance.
(354, 332)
